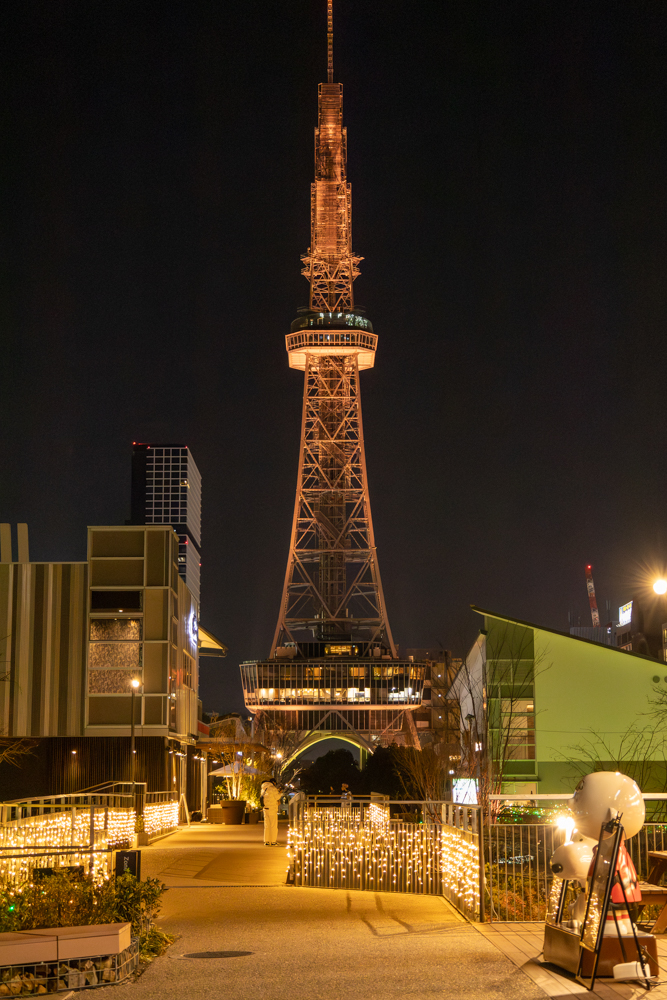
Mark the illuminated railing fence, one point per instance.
(357, 845)
(81, 829)
(489, 871)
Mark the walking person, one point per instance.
(270, 798)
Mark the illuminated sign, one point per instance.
(464, 791)
(193, 628)
(340, 650)
(625, 614)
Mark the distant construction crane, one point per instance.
(590, 587)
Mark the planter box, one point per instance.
(214, 814)
(233, 812)
(89, 940)
(23, 947)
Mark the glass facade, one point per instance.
(166, 489)
(511, 709)
(336, 684)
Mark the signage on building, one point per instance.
(193, 628)
(625, 614)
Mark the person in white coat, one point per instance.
(271, 796)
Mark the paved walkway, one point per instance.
(216, 856)
(242, 933)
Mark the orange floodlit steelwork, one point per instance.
(333, 666)
(332, 590)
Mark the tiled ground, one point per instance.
(522, 944)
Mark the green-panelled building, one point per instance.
(559, 706)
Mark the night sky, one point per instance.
(508, 163)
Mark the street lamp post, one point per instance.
(138, 800)
(135, 685)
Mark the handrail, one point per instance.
(562, 796)
(109, 789)
(107, 784)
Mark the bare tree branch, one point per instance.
(14, 750)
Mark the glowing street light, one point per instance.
(660, 586)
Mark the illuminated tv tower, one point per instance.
(332, 588)
(333, 664)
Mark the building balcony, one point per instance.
(331, 684)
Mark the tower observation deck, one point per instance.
(333, 664)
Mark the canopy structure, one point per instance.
(209, 645)
(236, 768)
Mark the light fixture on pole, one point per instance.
(136, 684)
(660, 586)
(137, 801)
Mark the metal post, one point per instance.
(132, 771)
(480, 847)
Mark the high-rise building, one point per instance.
(166, 489)
(333, 664)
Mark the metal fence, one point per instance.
(463, 882)
(358, 844)
(651, 837)
(518, 875)
(489, 871)
(78, 829)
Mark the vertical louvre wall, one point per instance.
(42, 648)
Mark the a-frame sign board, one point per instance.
(599, 899)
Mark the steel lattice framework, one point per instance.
(332, 588)
(332, 585)
(333, 667)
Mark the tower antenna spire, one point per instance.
(330, 40)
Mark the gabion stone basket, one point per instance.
(74, 974)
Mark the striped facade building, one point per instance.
(43, 648)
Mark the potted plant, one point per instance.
(233, 808)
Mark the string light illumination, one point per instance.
(33, 837)
(160, 817)
(362, 848)
(553, 900)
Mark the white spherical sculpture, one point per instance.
(571, 861)
(602, 796)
